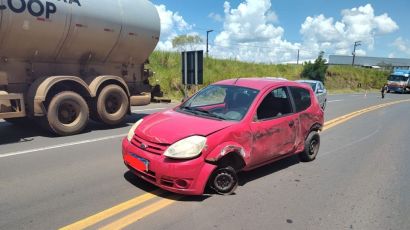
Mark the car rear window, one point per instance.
(301, 97)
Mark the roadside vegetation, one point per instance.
(338, 79)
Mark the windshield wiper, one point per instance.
(203, 112)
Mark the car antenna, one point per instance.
(236, 80)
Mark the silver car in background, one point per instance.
(319, 89)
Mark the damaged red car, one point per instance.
(230, 126)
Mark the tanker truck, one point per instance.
(63, 62)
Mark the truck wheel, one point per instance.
(224, 180)
(112, 105)
(67, 113)
(312, 144)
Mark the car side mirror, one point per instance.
(320, 91)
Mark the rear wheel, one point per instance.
(224, 180)
(67, 113)
(112, 105)
(312, 144)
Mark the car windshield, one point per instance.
(220, 102)
(311, 84)
(398, 78)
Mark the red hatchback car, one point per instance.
(230, 126)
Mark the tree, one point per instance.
(185, 42)
(316, 70)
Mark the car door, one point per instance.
(320, 93)
(274, 127)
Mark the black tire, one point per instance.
(312, 144)
(224, 180)
(67, 114)
(112, 105)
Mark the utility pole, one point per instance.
(298, 57)
(207, 41)
(356, 44)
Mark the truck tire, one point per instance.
(67, 114)
(112, 105)
(312, 144)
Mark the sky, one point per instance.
(273, 31)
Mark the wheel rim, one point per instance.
(68, 112)
(113, 103)
(224, 182)
(313, 147)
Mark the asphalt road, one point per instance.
(358, 181)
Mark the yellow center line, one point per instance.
(344, 118)
(84, 223)
(148, 210)
(141, 213)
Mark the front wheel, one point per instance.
(312, 144)
(224, 180)
(67, 113)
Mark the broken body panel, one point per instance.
(255, 142)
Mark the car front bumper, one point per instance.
(395, 89)
(184, 177)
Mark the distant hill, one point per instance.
(167, 68)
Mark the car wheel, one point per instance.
(67, 114)
(224, 180)
(312, 144)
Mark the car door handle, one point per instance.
(291, 123)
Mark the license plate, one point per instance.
(140, 164)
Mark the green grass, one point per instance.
(167, 68)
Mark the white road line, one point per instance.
(61, 145)
(334, 101)
(141, 110)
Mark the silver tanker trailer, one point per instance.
(65, 61)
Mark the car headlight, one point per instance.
(186, 148)
(131, 133)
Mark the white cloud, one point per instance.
(216, 17)
(357, 24)
(402, 45)
(250, 34)
(172, 24)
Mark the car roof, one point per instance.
(258, 83)
(308, 81)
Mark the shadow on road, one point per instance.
(150, 188)
(245, 177)
(28, 131)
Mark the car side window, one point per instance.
(320, 86)
(301, 98)
(275, 104)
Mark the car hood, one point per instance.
(170, 126)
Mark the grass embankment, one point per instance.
(339, 79)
